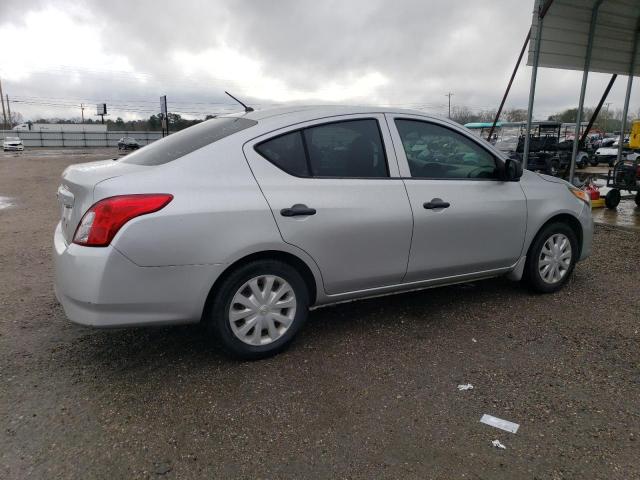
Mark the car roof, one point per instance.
(301, 113)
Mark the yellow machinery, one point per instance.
(634, 138)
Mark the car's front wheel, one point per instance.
(551, 258)
(258, 309)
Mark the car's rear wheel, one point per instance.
(551, 258)
(258, 309)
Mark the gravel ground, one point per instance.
(367, 390)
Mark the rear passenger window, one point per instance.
(346, 149)
(286, 152)
(349, 149)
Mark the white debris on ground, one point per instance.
(466, 386)
(474, 340)
(5, 202)
(497, 444)
(499, 423)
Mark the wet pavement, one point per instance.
(627, 215)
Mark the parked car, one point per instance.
(606, 155)
(245, 221)
(12, 144)
(128, 143)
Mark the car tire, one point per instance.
(637, 199)
(546, 269)
(250, 285)
(594, 163)
(582, 161)
(612, 198)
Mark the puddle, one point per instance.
(6, 202)
(626, 215)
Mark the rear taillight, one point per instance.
(103, 220)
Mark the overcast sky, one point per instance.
(408, 53)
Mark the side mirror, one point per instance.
(512, 170)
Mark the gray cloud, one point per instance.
(423, 49)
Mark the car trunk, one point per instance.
(76, 191)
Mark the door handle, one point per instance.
(297, 210)
(436, 203)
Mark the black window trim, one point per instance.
(498, 161)
(306, 151)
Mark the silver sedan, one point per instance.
(244, 222)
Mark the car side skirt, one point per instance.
(412, 286)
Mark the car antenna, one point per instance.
(246, 109)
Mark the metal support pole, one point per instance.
(596, 112)
(532, 89)
(506, 92)
(583, 88)
(9, 111)
(4, 114)
(627, 95)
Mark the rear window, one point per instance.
(186, 141)
(287, 153)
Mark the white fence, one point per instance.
(79, 139)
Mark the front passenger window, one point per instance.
(434, 151)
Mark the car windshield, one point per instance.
(186, 141)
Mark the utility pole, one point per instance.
(606, 117)
(9, 112)
(82, 111)
(449, 95)
(4, 114)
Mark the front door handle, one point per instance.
(297, 210)
(436, 203)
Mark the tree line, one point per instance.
(607, 121)
(153, 123)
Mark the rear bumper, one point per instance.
(100, 287)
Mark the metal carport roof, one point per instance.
(588, 35)
(565, 35)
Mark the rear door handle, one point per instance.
(297, 210)
(436, 203)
